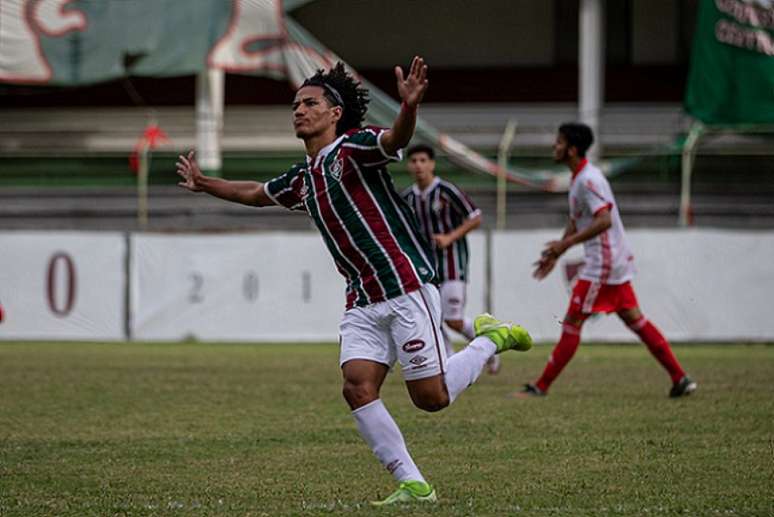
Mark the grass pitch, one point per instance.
(192, 429)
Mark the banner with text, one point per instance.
(62, 285)
(731, 80)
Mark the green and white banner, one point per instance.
(78, 42)
(732, 71)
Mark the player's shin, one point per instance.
(464, 367)
(381, 433)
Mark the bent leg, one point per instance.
(654, 340)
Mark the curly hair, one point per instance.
(341, 89)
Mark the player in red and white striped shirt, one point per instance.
(603, 285)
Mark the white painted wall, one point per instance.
(694, 284)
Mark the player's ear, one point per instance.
(338, 111)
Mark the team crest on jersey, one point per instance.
(437, 205)
(336, 168)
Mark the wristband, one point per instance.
(405, 107)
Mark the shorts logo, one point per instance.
(418, 360)
(415, 345)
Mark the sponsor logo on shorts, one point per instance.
(415, 345)
(418, 360)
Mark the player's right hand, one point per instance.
(188, 169)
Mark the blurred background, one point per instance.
(98, 97)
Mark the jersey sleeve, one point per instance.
(287, 189)
(365, 146)
(593, 195)
(460, 201)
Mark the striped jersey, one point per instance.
(441, 208)
(608, 259)
(368, 229)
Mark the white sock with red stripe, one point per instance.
(465, 366)
(381, 433)
(467, 329)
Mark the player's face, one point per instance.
(421, 166)
(561, 150)
(313, 115)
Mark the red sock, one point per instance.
(563, 352)
(659, 347)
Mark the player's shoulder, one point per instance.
(449, 188)
(362, 134)
(591, 174)
(296, 169)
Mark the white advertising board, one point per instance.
(694, 284)
(62, 285)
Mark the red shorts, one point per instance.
(590, 297)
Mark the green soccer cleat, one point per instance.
(504, 335)
(410, 492)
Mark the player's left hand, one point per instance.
(442, 240)
(412, 88)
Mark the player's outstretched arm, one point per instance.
(244, 192)
(411, 89)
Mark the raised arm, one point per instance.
(245, 192)
(411, 89)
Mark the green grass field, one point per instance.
(117, 429)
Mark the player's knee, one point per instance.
(431, 402)
(358, 395)
(455, 325)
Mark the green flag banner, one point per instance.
(78, 42)
(731, 80)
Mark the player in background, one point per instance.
(604, 282)
(445, 215)
(392, 304)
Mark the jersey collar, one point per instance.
(324, 152)
(430, 187)
(580, 167)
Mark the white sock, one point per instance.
(447, 342)
(381, 433)
(467, 329)
(463, 369)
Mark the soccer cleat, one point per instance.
(683, 387)
(529, 391)
(410, 492)
(504, 335)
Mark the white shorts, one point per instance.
(453, 300)
(404, 329)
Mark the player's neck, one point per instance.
(425, 182)
(576, 163)
(314, 144)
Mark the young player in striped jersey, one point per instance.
(445, 216)
(604, 283)
(392, 304)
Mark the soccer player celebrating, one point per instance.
(445, 216)
(392, 305)
(604, 282)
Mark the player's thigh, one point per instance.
(364, 334)
(453, 300)
(415, 332)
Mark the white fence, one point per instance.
(695, 284)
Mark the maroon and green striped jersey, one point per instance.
(368, 228)
(441, 208)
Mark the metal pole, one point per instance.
(209, 119)
(142, 186)
(591, 68)
(688, 154)
(503, 153)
